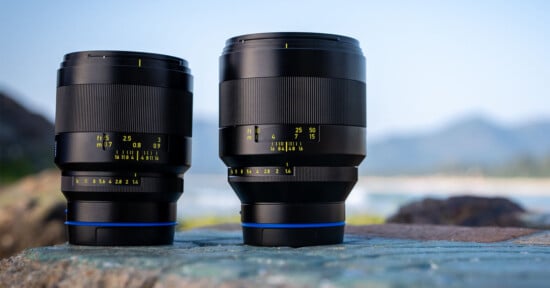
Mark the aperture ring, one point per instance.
(294, 174)
(120, 183)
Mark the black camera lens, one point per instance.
(123, 142)
(292, 133)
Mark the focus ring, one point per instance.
(292, 100)
(123, 108)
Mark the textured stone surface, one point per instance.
(440, 232)
(32, 213)
(210, 257)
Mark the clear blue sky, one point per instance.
(428, 62)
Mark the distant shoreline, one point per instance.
(454, 185)
(432, 184)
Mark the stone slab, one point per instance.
(542, 238)
(440, 232)
(215, 257)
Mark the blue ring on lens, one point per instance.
(292, 225)
(121, 224)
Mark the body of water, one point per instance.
(211, 194)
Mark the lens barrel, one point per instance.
(123, 142)
(292, 133)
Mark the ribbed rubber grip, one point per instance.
(292, 100)
(123, 108)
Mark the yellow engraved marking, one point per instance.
(139, 62)
(137, 155)
(286, 45)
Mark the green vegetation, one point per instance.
(11, 171)
(523, 167)
(364, 219)
(190, 223)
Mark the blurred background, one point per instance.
(457, 101)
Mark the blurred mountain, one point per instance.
(26, 140)
(471, 145)
(205, 157)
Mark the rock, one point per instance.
(461, 210)
(367, 258)
(32, 213)
(536, 220)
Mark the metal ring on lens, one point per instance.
(121, 224)
(291, 225)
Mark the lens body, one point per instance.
(292, 133)
(123, 142)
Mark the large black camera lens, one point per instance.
(123, 142)
(292, 132)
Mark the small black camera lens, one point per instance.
(123, 142)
